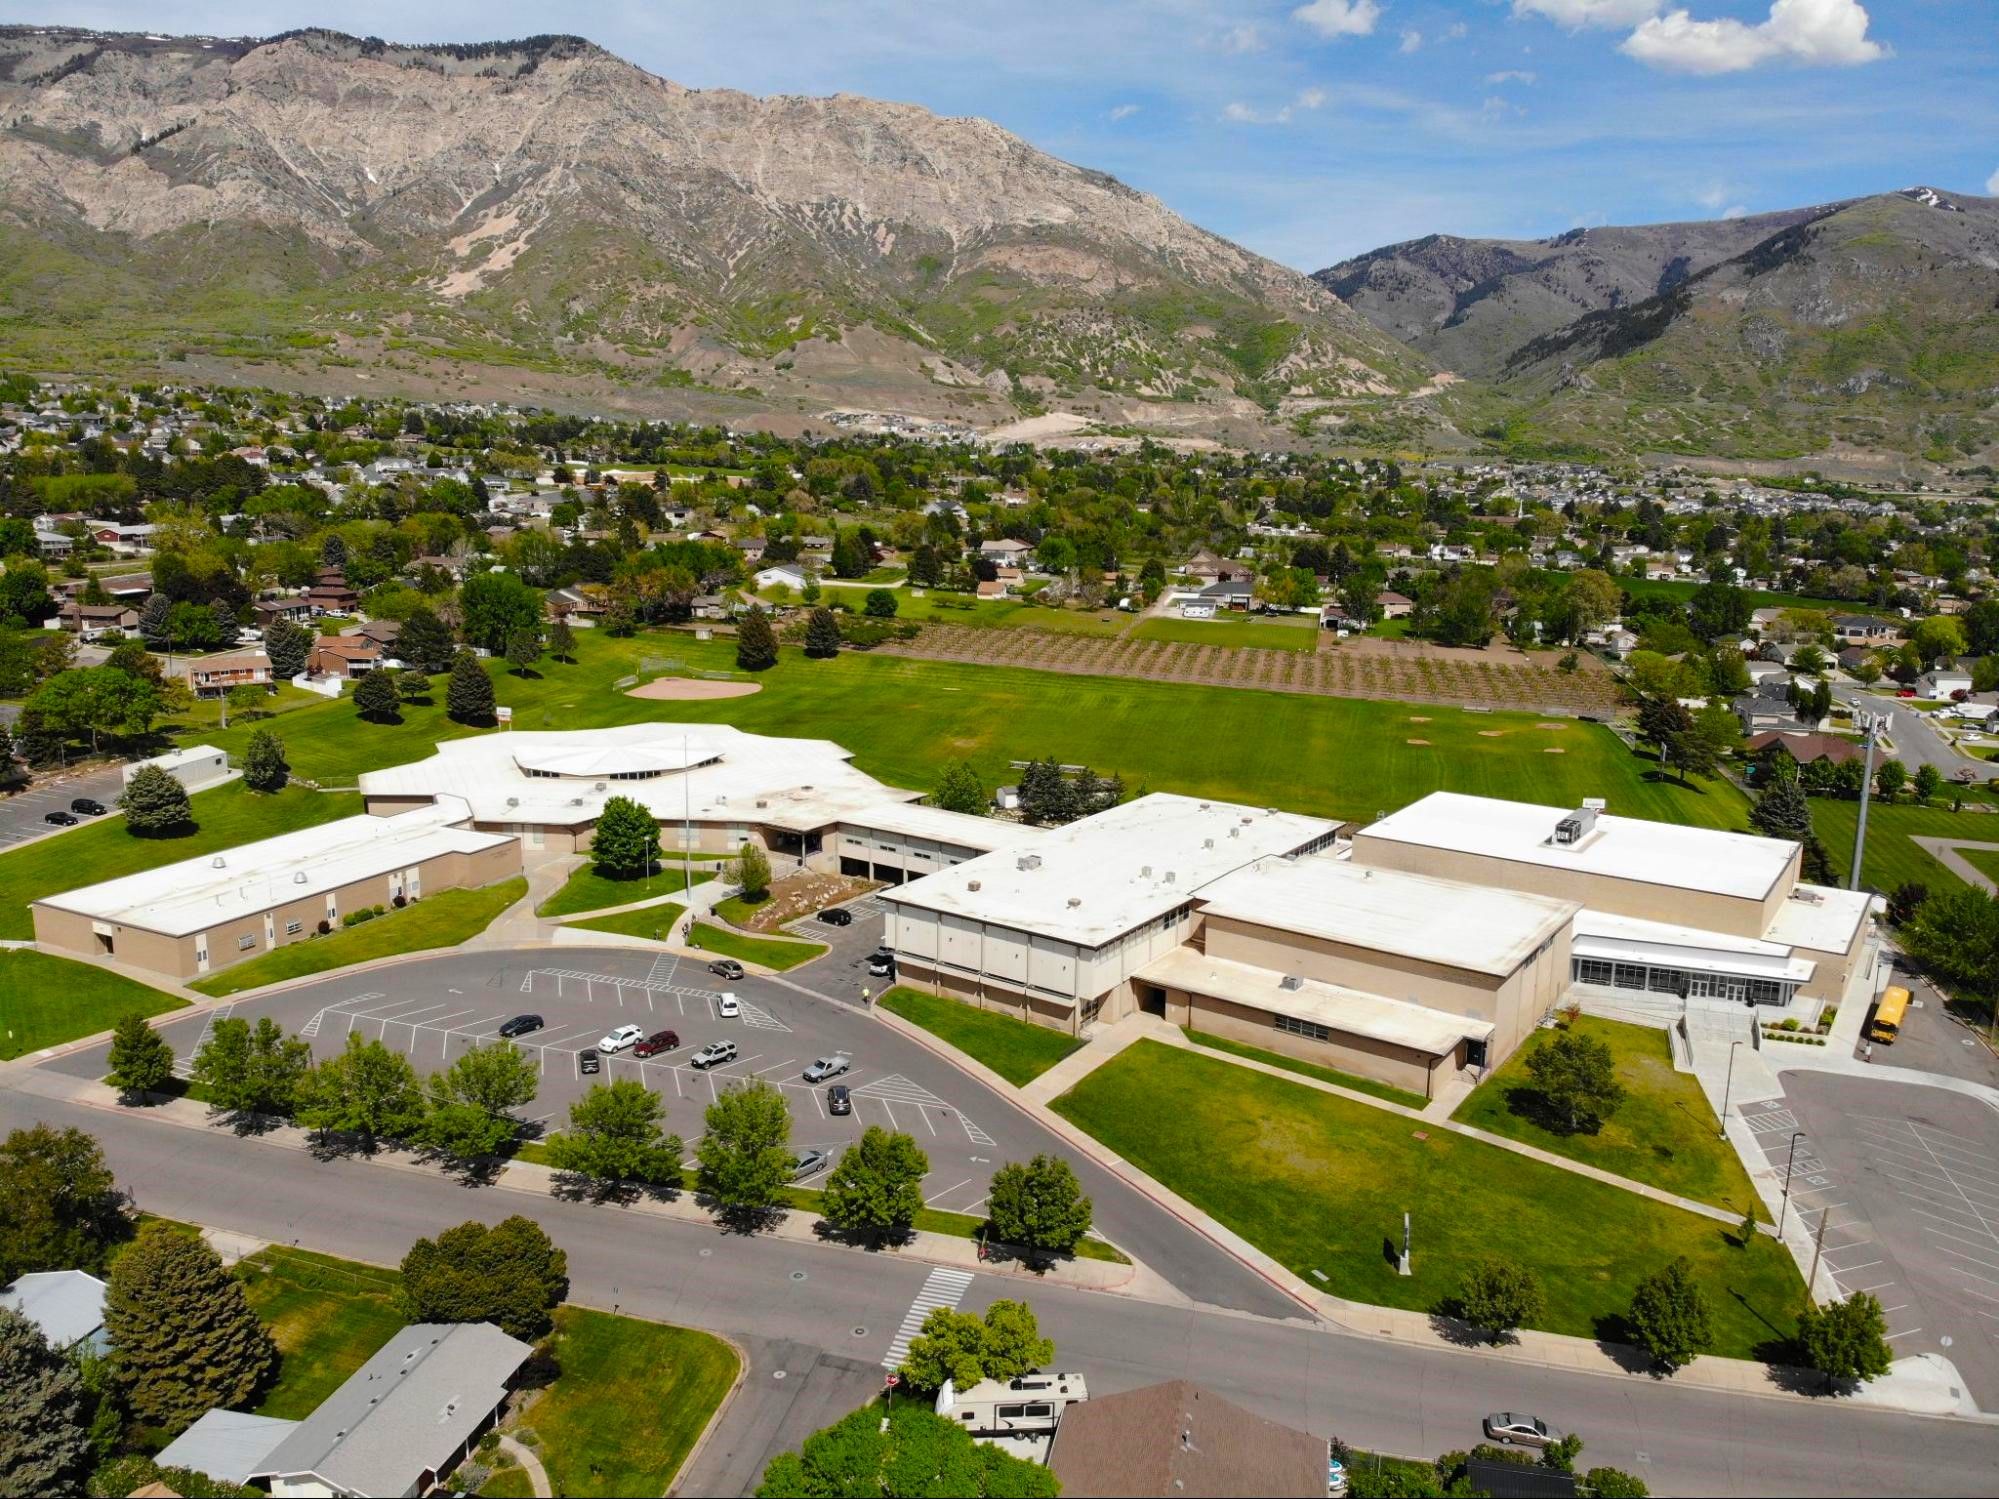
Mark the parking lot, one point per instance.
(434, 1010)
(23, 815)
(1932, 1039)
(842, 973)
(1904, 1182)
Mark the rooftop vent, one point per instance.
(1075, 901)
(1235, 832)
(1291, 981)
(1809, 897)
(601, 785)
(1028, 861)
(1145, 872)
(513, 801)
(1204, 806)
(762, 803)
(1595, 804)
(973, 886)
(298, 878)
(216, 862)
(1169, 876)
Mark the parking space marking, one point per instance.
(184, 1066)
(976, 1135)
(941, 1288)
(757, 1018)
(949, 1190)
(311, 1027)
(778, 1067)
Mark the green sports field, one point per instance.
(1893, 856)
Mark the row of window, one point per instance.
(1295, 1027)
(1679, 982)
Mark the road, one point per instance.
(825, 1317)
(1916, 742)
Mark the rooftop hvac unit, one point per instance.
(973, 886)
(1207, 843)
(1235, 832)
(601, 785)
(1075, 901)
(1291, 981)
(1145, 872)
(1169, 876)
(761, 803)
(1575, 827)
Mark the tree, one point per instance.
(615, 1134)
(185, 1337)
(471, 1100)
(155, 804)
(562, 639)
(287, 644)
(877, 1188)
(523, 649)
(822, 635)
(1846, 1340)
(1038, 1206)
(1890, 777)
(424, 643)
(24, 592)
(1664, 721)
(469, 696)
(851, 557)
(246, 1071)
(1928, 782)
(155, 617)
(745, 1156)
(1955, 934)
(913, 1451)
(959, 789)
(1046, 795)
(626, 843)
(376, 698)
(965, 1349)
(880, 604)
(1782, 810)
(494, 606)
(749, 871)
(97, 700)
(1496, 1296)
(265, 767)
(756, 645)
(1577, 1077)
(511, 1275)
(44, 1440)
(141, 1059)
(412, 687)
(1614, 1483)
(60, 1208)
(1670, 1317)
(1905, 900)
(366, 1090)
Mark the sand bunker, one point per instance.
(1417, 718)
(1551, 726)
(1415, 741)
(1491, 733)
(693, 690)
(1554, 750)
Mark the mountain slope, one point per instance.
(543, 204)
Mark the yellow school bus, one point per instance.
(1888, 1014)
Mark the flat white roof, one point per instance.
(173, 759)
(1824, 920)
(1395, 1021)
(1475, 927)
(706, 773)
(1667, 945)
(193, 895)
(960, 829)
(1100, 877)
(1625, 848)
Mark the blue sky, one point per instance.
(1313, 129)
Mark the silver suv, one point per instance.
(714, 1054)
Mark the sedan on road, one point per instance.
(520, 1025)
(621, 1038)
(1510, 1428)
(60, 818)
(827, 1067)
(656, 1043)
(808, 1163)
(835, 916)
(839, 1101)
(726, 968)
(714, 1054)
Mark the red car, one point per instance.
(656, 1043)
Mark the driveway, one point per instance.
(21, 815)
(1931, 1039)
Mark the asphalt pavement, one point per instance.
(23, 816)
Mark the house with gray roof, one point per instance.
(67, 1305)
(404, 1418)
(226, 1445)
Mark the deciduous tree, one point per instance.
(524, 648)
(251, 1071)
(141, 1059)
(1577, 1076)
(1497, 1296)
(1670, 1317)
(745, 1156)
(471, 1101)
(965, 1349)
(365, 1090)
(877, 1188)
(1038, 1206)
(616, 1134)
(511, 1275)
(625, 845)
(750, 871)
(376, 698)
(959, 789)
(60, 1208)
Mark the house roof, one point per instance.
(67, 1305)
(1805, 748)
(1177, 1439)
(226, 1445)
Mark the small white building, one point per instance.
(195, 767)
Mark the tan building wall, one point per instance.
(985, 994)
(1398, 1066)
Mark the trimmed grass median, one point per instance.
(1321, 1183)
(587, 890)
(1385, 1091)
(1016, 1049)
(46, 1001)
(768, 951)
(1664, 1134)
(650, 922)
(441, 920)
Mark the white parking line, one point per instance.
(949, 1190)
(780, 1066)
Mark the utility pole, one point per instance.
(1789, 1166)
(1727, 1088)
(1873, 724)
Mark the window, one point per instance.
(1011, 1412)
(1630, 976)
(1594, 971)
(1303, 1028)
(293, 928)
(245, 942)
(1041, 1410)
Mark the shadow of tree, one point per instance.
(1524, 1101)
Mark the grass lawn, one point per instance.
(1892, 853)
(1321, 1183)
(769, 951)
(671, 1379)
(441, 920)
(938, 607)
(1984, 860)
(224, 817)
(46, 1001)
(1367, 1085)
(587, 890)
(1664, 1135)
(508, 1483)
(650, 922)
(1017, 1050)
(327, 1315)
(1233, 630)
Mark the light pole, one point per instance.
(1789, 1166)
(1818, 1248)
(1727, 1088)
(1873, 724)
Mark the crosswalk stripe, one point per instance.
(941, 1288)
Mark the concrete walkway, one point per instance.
(1946, 852)
(521, 1453)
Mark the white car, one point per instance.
(623, 1037)
(727, 1006)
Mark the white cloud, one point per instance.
(1340, 17)
(1992, 184)
(1412, 41)
(1456, 31)
(1244, 114)
(1247, 37)
(1311, 98)
(1819, 33)
(1124, 111)
(1579, 13)
(1511, 75)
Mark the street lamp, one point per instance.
(1727, 1088)
(1796, 1135)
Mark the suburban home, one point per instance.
(1174, 1439)
(126, 540)
(1943, 682)
(384, 632)
(1336, 617)
(89, 621)
(580, 603)
(1229, 593)
(1394, 605)
(751, 548)
(1864, 629)
(331, 594)
(991, 588)
(783, 575)
(211, 676)
(1804, 748)
(1206, 566)
(267, 612)
(67, 1305)
(343, 656)
(710, 606)
(1004, 549)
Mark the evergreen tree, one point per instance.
(1496, 1296)
(562, 639)
(376, 698)
(186, 1341)
(332, 551)
(523, 648)
(959, 789)
(141, 1059)
(424, 643)
(366, 1090)
(616, 1135)
(469, 697)
(60, 1208)
(44, 1442)
(155, 804)
(154, 620)
(265, 767)
(745, 1156)
(511, 1275)
(822, 635)
(877, 1188)
(288, 645)
(1847, 1340)
(1670, 1317)
(1038, 1206)
(625, 845)
(1782, 810)
(926, 567)
(756, 645)
(880, 604)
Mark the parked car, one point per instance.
(1510, 1428)
(827, 1067)
(60, 818)
(838, 1100)
(656, 1043)
(808, 1163)
(89, 806)
(835, 916)
(520, 1025)
(621, 1038)
(728, 1006)
(881, 966)
(589, 1064)
(726, 968)
(714, 1054)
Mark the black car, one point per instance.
(589, 1062)
(881, 966)
(839, 1100)
(89, 806)
(835, 916)
(520, 1025)
(60, 818)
